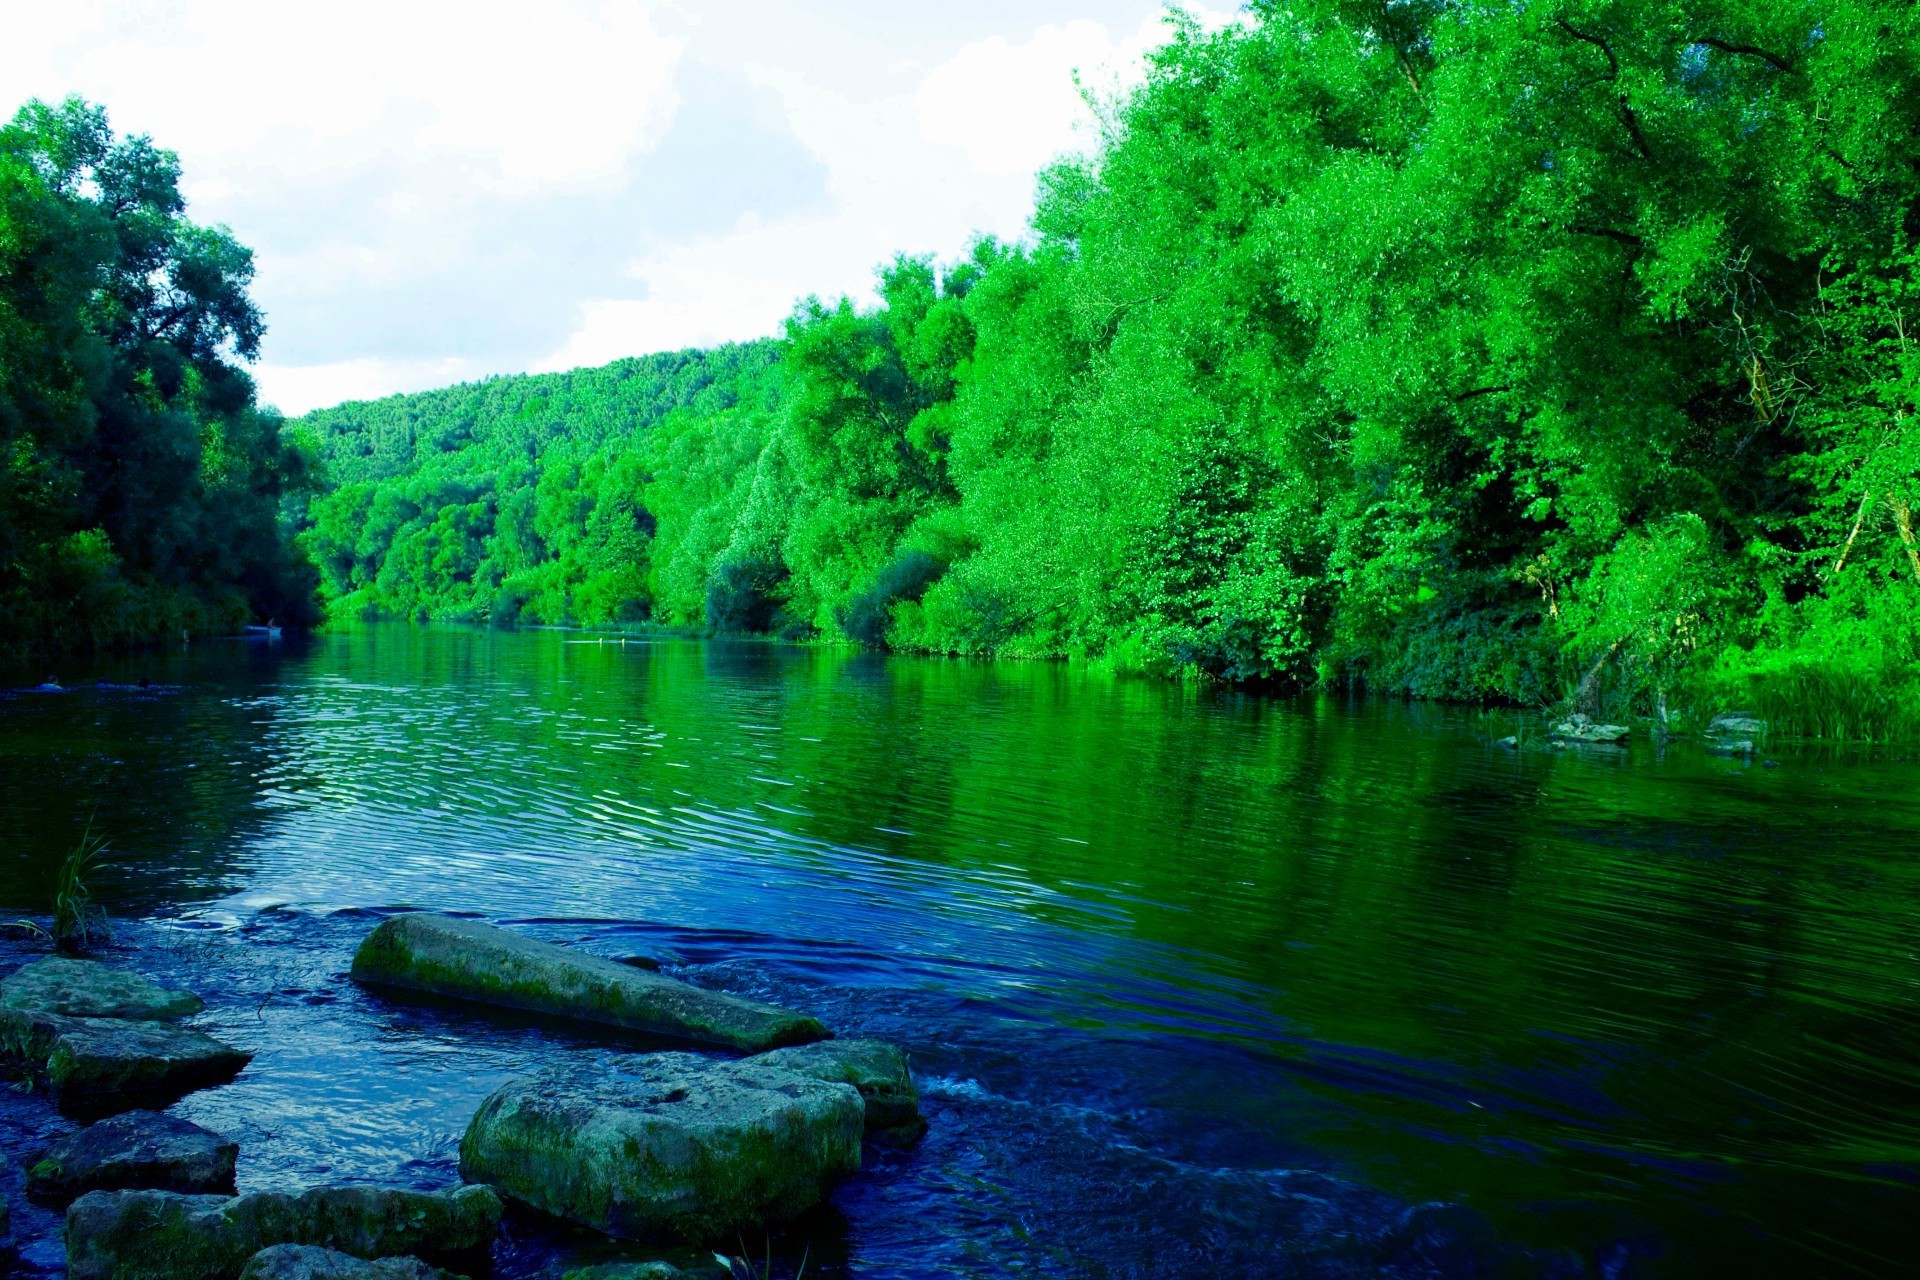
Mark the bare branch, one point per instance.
(1744, 50)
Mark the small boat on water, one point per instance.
(269, 632)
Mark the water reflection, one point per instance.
(1653, 1015)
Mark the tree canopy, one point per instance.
(140, 489)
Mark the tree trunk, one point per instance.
(1903, 518)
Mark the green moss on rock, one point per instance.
(164, 1235)
(89, 989)
(468, 960)
(669, 1144)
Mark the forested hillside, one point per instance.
(539, 498)
(1467, 351)
(140, 488)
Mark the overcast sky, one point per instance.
(439, 191)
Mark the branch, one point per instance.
(1595, 41)
(1477, 392)
(1624, 237)
(1743, 50)
(1627, 116)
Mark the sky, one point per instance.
(435, 192)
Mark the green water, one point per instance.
(1638, 1013)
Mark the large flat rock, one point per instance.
(103, 1057)
(163, 1235)
(310, 1262)
(667, 1145)
(467, 960)
(89, 989)
(877, 1069)
(136, 1149)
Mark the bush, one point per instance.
(743, 595)
(869, 616)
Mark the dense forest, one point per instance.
(1468, 351)
(1545, 352)
(140, 488)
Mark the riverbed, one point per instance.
(1196, 983)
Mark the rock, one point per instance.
(629, 1271)
(164, 1235)
(89, 989)
(311, 1262)
(1730, 746)
(1579, 728)
(135, 1149)
(1736, 724)
(467, 960)
(1510, 742)
(101, 1056)
(877, 1069)
(667, 1144)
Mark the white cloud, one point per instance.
(437, 191)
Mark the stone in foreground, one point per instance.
(467, 960)
(311, 1262)
(136, 1149)
(163, 1235)
(633, 1271)
(89, 989)
(877, 1069)
(669, 1144)
(116, 1056)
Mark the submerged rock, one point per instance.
(467, 960)
(877, 1069)
(143, 1149)
(116, 1056)
(667, 1144)
(164, 1235)
(311, 1262)
(89, 989)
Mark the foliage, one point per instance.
(1545, 352)
(77, 919)
(140, 488)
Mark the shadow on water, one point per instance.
(1196, 983)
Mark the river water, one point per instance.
(1195, 983)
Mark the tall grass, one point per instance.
(78, 921)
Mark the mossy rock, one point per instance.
(102, 1057)
(89, 989)
(667, 1145)
(877, 1069)
(164, 1235)
(310, 1262)
(136, 1149)
(468, 960)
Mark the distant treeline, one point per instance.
(1469, 351)
(140, 489)
(1543, 352)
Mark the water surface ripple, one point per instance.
(1196, 983)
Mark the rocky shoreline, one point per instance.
(658, 1147)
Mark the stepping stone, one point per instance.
(102, 1056)
(164, 1235)
(143, 1149)
(667, 1144)
(89, 989)
(877, 1069)
(467, 960)
(310, 1262)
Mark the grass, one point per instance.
(740, 1267)
(77, 919)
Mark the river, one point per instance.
(1196, 983)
